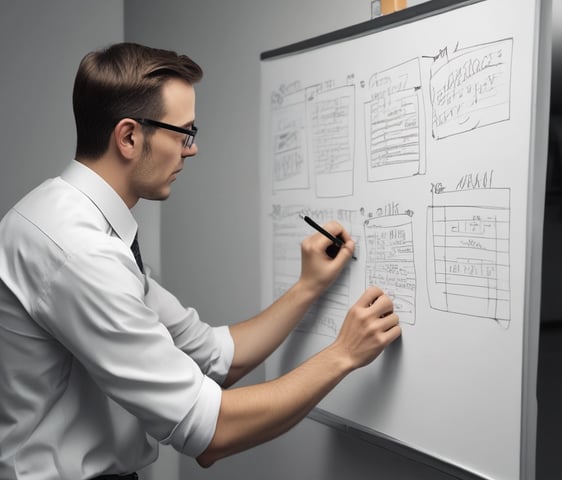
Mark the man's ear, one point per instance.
(128, 137)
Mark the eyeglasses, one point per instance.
(189, 133)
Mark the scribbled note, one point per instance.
(331, 121)
(394, 125)
(471, 88)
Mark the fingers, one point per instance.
(320, 266)
(327, 244)
(382, 308)
(369, 327)
(390, 321)
(370, 297)
(337, 230)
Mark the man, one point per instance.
(99, 363)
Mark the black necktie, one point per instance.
(136, 252)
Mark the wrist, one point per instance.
(309, 291)
(339, 359)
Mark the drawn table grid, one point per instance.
(471, 259)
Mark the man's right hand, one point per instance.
(369, 326)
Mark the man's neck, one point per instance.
(115, 173)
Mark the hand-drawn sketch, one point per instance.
(471, 87)
(327, 314)
(390, 261)
(287, 234)
(313, 138)
(290, 167)
(331, 135)
(468, 258)
(394, 123)
(313, 141)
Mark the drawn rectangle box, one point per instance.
(394, 123)
(390, 261)
(290, 169)
(331, 139)
(468, 253)
(471, 88)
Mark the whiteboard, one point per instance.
(423, 133)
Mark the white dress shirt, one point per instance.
(98, 362)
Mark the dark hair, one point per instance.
(123, 80)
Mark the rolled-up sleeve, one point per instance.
(212, 348)
(192, 436)
(95, 305)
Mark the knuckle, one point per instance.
(306, 245)
(358, 312)
(388, 303)
(379, 337)
(376, 291)
(333, 225)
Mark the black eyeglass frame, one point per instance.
(190, 133)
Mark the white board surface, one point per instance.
(420, 138)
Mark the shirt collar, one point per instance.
(109, 203)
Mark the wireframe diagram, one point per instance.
(331, 121)
(313, 138)
(327, 314)
(288, 118)
(394, 123)
(468, 257)
(286, 235)
(390, 261)
(313, 141)
(471, 88)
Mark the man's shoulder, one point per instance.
(58, 211)
(50, 225)
(56, 231)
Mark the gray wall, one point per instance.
(41, 44)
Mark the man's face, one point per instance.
(164, 152)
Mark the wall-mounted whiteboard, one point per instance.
(424, 134)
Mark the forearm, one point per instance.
(252, 415)
(255, 339)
